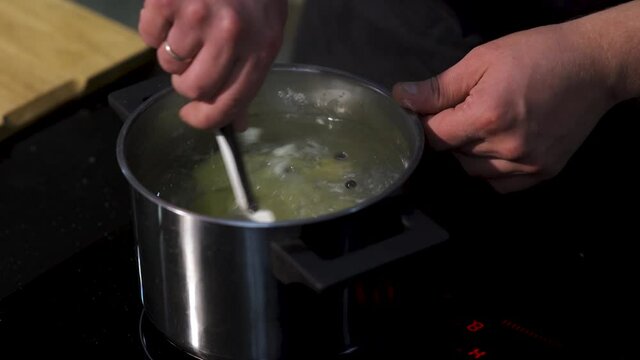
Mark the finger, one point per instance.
(514, 183)
(451, 128)
(491, 168)
(479, 148)
(440, 92)
(153, 26)
(184, 37)
(178, 51)
(207, 73)
(503, 146)
(231, 104)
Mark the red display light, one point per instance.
(476, 353)
(475, 326)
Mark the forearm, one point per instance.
(611, 40)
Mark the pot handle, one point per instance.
(294, 262)
(126, 101)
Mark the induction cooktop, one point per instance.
(431, 306)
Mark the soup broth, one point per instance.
(299, 166)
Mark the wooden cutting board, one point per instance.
(52, 51)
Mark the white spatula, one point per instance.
(236, 173)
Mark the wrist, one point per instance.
(609, 43)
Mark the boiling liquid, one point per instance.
(299, 166)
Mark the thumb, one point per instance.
(440, 92)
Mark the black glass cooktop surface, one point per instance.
(88, 307)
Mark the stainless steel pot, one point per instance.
(214, 286)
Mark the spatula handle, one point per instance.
(234, 165)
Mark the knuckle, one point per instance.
(230, 24)
(489, 123)
(196, 12)
(484, 51)
(435, 90)
(478, 52)
(492, 121)
(514, 150)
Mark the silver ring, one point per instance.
(175, 56)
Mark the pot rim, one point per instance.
(136, 185)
